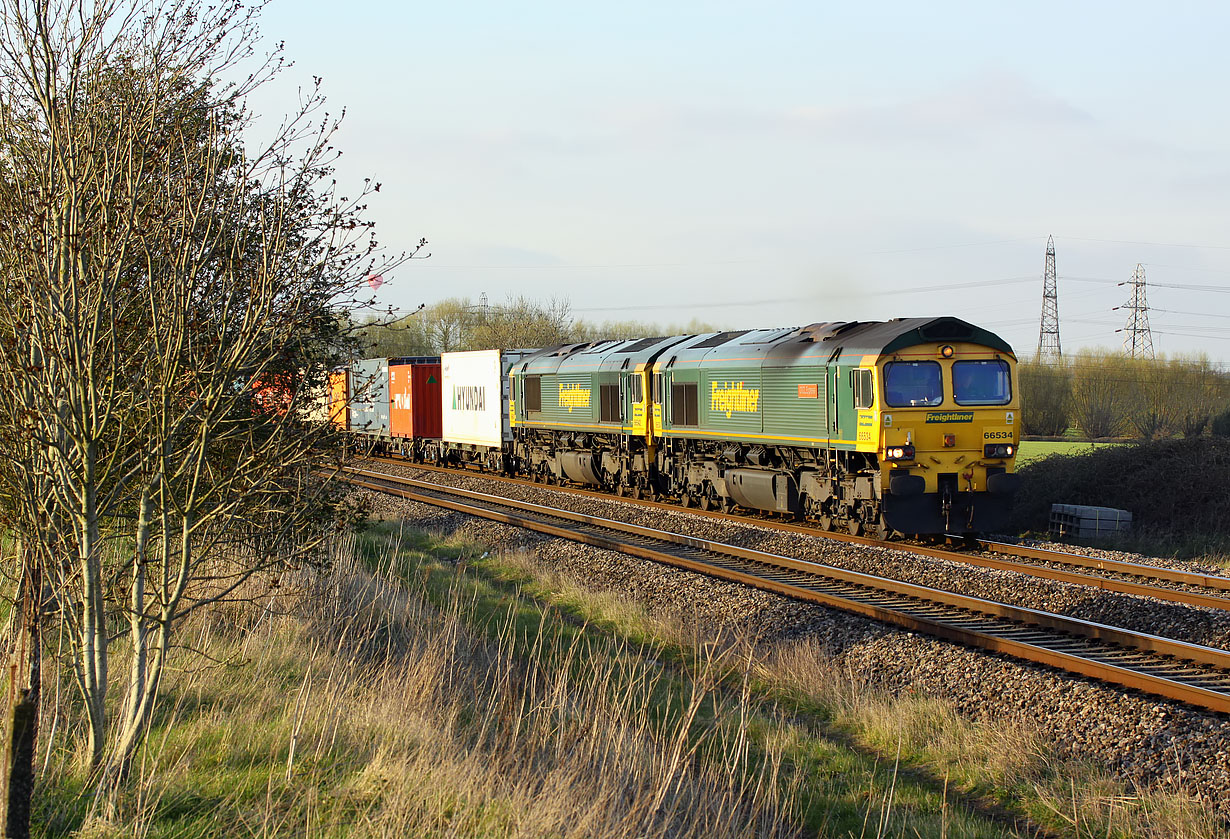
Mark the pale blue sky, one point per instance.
(778, 163)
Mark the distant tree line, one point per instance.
(1102, 393)
(460, 323)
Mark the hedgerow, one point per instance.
(1177, 488)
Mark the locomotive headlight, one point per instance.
(998, 450)
(946, 351)
(899, 453)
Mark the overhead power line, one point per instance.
(1193, 314)
(1151, 244)
(1221, 288)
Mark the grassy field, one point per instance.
(432, 686)
(1031, 450)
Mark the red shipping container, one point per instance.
(414, 399)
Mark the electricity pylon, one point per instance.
(1049, 350)
(1137, 338)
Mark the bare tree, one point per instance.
(173, 299)
(447, 324)
(1046, 393)
(522, 322)
(1201, 389)
(1154, 389)
(1100, 380)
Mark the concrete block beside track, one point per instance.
(1087, 522)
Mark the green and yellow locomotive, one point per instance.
(905, 426)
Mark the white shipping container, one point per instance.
(473, 396)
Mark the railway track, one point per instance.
(1183, 587)
(1177, 670)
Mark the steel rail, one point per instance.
(1119, 586)
(1134, 568)
(1178, 670)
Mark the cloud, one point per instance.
(995, 102)
(990, 104)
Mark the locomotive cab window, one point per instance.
(638, 389)
(657, 388)
(981, 382)
(864, 390)
(913, 384)
(684, 410)
(533, 393)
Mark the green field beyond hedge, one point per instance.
(1031, 450)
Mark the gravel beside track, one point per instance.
(1210, 627)
(1148, 741)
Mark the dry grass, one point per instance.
(366, 711)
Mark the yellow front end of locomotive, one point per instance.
(948, 413)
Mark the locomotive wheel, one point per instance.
(706, 503)
(620, 490)
(825, 521)
(636, 491)
(685, 499)
(880, 530)
(853, 526)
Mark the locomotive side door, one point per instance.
(833, 382)
(625, 396)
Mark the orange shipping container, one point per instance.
(414, 398)
(339, 408)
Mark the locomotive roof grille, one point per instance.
(643, 344)
(771, 338)
(718, 339)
